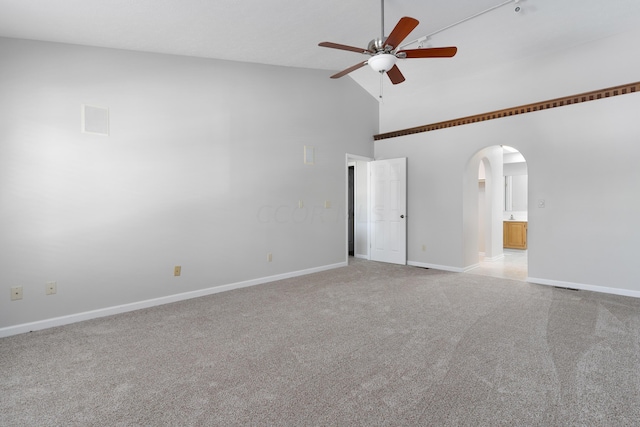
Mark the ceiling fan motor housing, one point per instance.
(378, 45)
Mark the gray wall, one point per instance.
(203, 168)
(581, 159)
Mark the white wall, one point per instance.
(514, 169)
(203, 169)
(581, 159)
(482, 227)
(493, 206)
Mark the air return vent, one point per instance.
(95, 120)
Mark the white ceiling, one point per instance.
(286, 32)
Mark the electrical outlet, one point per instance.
(52, 288)
(269, 257)
(16, 293)
(327, 204)
(177, 270)
(300, 204)
(424, 248)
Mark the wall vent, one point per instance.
(95, 120)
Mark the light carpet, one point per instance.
(369, 344)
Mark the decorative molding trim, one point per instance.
(109, 311)
(593, 288)
(523, 109)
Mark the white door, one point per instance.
(389, 211)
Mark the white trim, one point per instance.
(109, 311)
(368, 173)
(357, 157)
(593, 288)
(436, 267)
(361, 256)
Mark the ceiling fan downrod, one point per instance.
(382, 20)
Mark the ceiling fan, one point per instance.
(384, 52)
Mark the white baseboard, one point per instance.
(593, 288)
(361, 256)
(436, 266)
(109, 311)
(547, 282)
(470, 267)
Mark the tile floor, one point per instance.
(512, 266)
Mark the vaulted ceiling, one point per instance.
(287, 32)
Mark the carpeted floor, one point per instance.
(368, 344)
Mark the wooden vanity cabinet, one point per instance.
(514, 234)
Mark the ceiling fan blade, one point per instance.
(395, 75)
(401, 31)
(348, 70)
(343, 47)
(432, 52)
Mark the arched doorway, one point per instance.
(491, 207)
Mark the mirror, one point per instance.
(515, 192)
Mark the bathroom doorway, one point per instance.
(502, 189)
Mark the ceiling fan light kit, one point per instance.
(382, 62)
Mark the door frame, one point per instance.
(352, 160)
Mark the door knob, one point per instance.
(401, 216)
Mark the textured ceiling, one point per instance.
(286, 32)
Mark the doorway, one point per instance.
(498, 207)
(357, 206)
(378, 191)
(351, 210)
(516, 213)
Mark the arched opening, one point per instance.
(495, 203)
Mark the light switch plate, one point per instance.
(309, 155)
